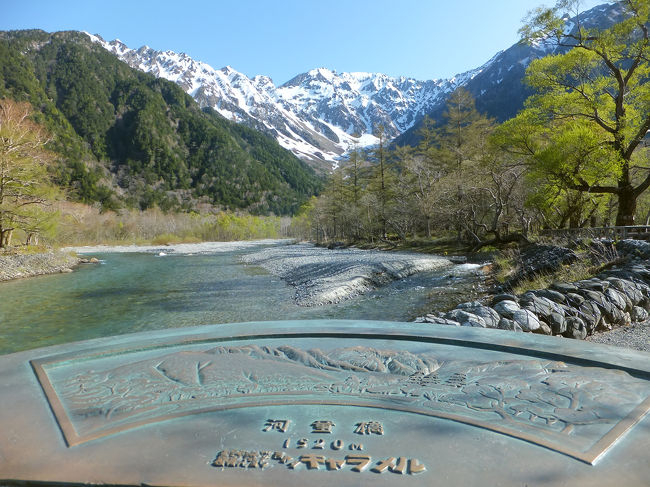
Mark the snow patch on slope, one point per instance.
(318, 115)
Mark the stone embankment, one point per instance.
(617, 297)
(14, 266)
(323, 276)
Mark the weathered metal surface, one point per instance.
(326, 402)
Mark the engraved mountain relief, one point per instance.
(579, 411)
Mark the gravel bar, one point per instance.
(181, 248)
(322, 276)
(16, 266)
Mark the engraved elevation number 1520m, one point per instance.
(359, 462)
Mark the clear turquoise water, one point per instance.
(136, 292)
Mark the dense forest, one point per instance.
(127, 139)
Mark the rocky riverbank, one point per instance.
(323, 276)
(15, 266)
(616, 299)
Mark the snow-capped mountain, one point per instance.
(318, 115)
(321, 114)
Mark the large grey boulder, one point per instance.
(574, 299)
(619, 299)
(576, 328)
(628, 288)
(503, 297)
(506, 324)
(506, 308)
(557, 322)
(590, 294)
(569, 310)
(465, 318)
(543, 329)
(593, 284)
(590, 314)
(551, 294)
(539, 305)
(487, 314)
(638, 314)
(642, 287)
(526, 319)
(597, 298)
(616, 316)
(564, 287)
(490, 316)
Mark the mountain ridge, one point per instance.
(499, 89)
(317, 114)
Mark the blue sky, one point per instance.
(424, 39)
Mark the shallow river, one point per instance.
(130, 292)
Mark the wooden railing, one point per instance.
(640, 232)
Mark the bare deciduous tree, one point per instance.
(24, 181)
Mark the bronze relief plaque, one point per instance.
(325, 402)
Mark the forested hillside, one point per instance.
(126, 138)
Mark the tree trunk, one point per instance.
(626, 207)
(5, 237)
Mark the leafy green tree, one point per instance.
(25, 191)
(584, 127)
(301, 224)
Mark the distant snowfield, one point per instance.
(183, 249)
(321, 276)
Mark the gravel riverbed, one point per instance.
(15, 266)
(180, 248)
(635, 336)
(322, 276)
